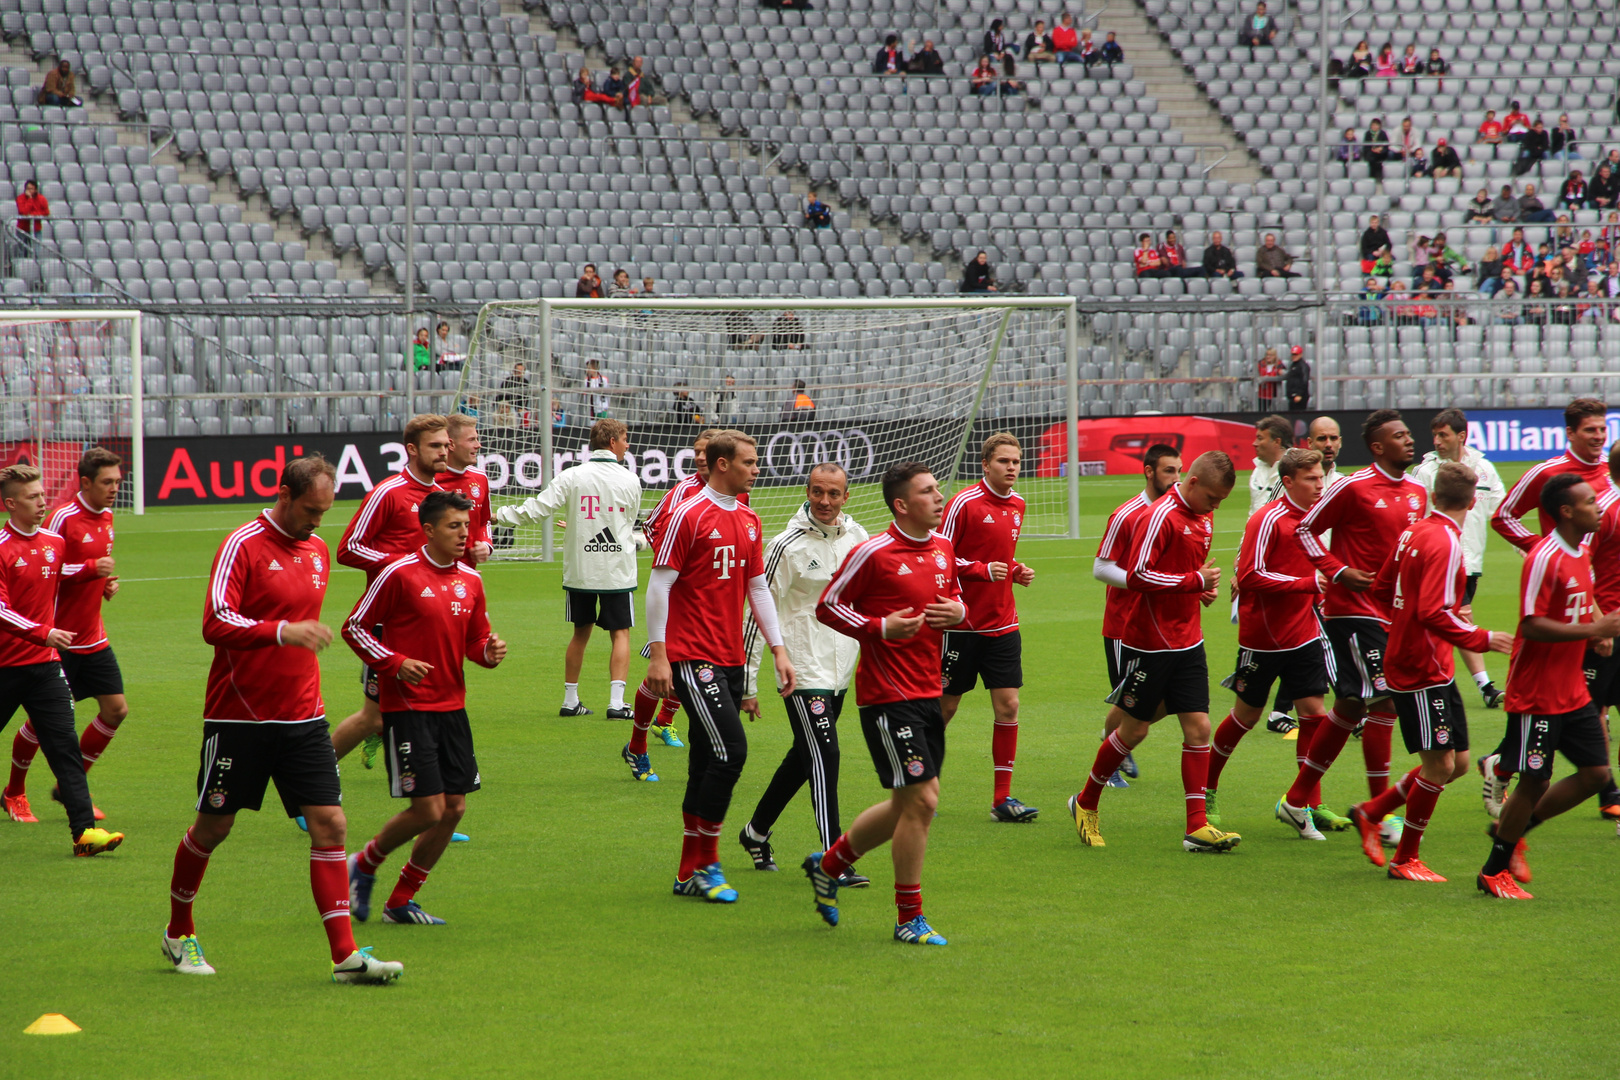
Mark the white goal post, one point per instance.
(71, 379)
(865, 383)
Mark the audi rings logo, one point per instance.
(792, 453)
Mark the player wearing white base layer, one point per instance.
(599, 500)
(1273, 435)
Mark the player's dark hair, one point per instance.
(897, 480)
(1375, 422)
(1614, 460)
(1157, 453)
(15, 476)
(724, 444)
(1556, 492)
(1297, 459)
(300, 473)
(95, 459)
(438, 503)
(1580, 409)
(605, 430)
(998, 440)
(1454, 485)
(1455, 419)
(1278, 428)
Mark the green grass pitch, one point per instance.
(566, 955)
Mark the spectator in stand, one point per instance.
(452, 351)
(1066, 40)
(1297, 383)
(1489, 272)
(1147, 260)
(1112, 52)
(32, 210)
(1517, 258)
(1516, 124)
(1563, 235)
(1348, 149)
(1219, 262)
(596, 386)
(1563, 143)
(1257, 30)
(1613, 161)
(1435, 64)
(589, 285)
(1532, 149)
(926, 60)
(612, 89)
(1531, 208)
(1604, 191)
(1591, 311)
(1374, 242)
(422, 351)
(1509, 308)
(1450, 258)
(1404, 141)
(1416, 163)
(725, 402)
(1272, 261)
(817, 214)
(1038, 44)
(1384, 267)
(890, 59)
(1572, 196)
(787, 332)
(1173, 257)
(620, 289)
(1506, 208)
(1385, 65)
(1371, 312)
(979, 277)
(1088, 50)
(1268, 377)
(683, 411)
(1444, 161)
(798, 409)
(59, 87)
(647, 290)
(583, 87)
(995, 44)
(1490, 131)
(741, 332)
(1478, 211)
(1375, 149)
(633, 94)
(984, 78)
(1411, 62)
(1010, 83)
(1359, 66)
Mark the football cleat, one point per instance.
(640, 766)
(410, 913)
(1085, 823)
(666, 734)
(1518, 865)
(1609, 812)
(56, 797)
(1280, 724)
(186, 955)
(1011, 810)
(1211, 808)
(1493, 696)
(460, 838)
(1412, 870)
(362, 967)
(575, 710)
(17, 809)
(95, 841)
(758, 850)
(1209, 838)
(825, 887)
(1118, 780)
(360, 886)
(1328, 820)
(1390, 830)
(1371, 845)
(1128, 766)
(1300, 818)
(849, 879)
(1291, 735)
(1502, 886)
(303, 826)
(1493, 791)
(918, 932)
(368, 750)
(623, 712)
(712, 885)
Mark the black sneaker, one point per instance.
(1493, 696)
(623, 712)
(1012, 811)
(852, 880)
(1280, 724)
(575, 710)
(758, 850)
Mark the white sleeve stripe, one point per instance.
(1532, 584)
(363, 521)
(857, 559)
(965, 496)
(360, 617)
(20, 621)
(222, 575)
(1155, 523)
(1309, 521)
(670, 529)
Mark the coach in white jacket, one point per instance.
(798, 565)
(599, 500)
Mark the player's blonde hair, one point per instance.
(998, 440)
(15, 476)
(459, 422)
(605, 430)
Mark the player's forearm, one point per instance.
(358, 558)
(1512, 529)
(659, 583)
(21, 626)
(1108, 572)
(967, 570)
(850, 622)
(1154, 581)
(1266, 581)
(372, 652)
(1541, 628)
(763, 608)
(229, 629)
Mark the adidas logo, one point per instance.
(989, 519)
(814, 565)
(715, 535)
(603, 543)
(1380, 504)
(87, 538)
(1572, 584)
(427, 593)
(904, 569)
(1186, 530)
(274, 565)
(20, 561)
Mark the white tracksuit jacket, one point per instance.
(600, 499)
(1487, 497)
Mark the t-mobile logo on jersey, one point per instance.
(725, 557)
(590, 506)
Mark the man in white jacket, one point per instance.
(599, 500)
(1450, 428)
(798, 565)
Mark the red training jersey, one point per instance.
(888, 573)
(87, 535)
(673, 499)
(1423, 585)
(262, 579)
(386, 525)
(1605, 547)
(1546, 678)
(716, 544)
(1170, 548)
(473, 483)
(1367, 512)
(426, 612)
(1526, 495)
(30, 573)
(1277, 585)
(983, 526)
(1116, 548)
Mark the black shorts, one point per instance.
(906, 740)
(1357, 658)
(1528, 747)
(368, 678)
(1111, 647)
(1432, 719)
(239, 759)
(1303, 673)
(93, 674)
(966, 658)
(1473, 587)
(609, 610)
(429, 753)
(1602, 679)
(1178, 680)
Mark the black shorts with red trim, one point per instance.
(1432, 719)
(608, 610)
(429, 753)
(1303, 672)
(967, 657)
(1357, 657)
(1111, 647)
(1177, 680)
(239, 759)
(1528, 747)
(1602, 678)
(94, 674)
(906, 740)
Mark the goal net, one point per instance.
(864, 384)
(70, 380)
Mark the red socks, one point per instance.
(1194, 775)
(1376, 736)
(689, 843)
(1419, 808)
(1324, 750)
(95, 740)
(1003, 748)
(1386, 803)
(708, 841)
(907, 902)
(190, 863)
(841, 856)
(1227, 736)
(371, 857)
(1308, 726)
(411, 878)
(644, 706)
(329, 881)
(24, 745)
(667, 711)
(1110, 755)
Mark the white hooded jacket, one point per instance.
(599, 499)
(799, 563)
(1487, 497)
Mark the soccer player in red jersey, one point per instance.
(430, 606)
(85, 524)
(1161, 468)
(31, 564)
(1279, 637)
(384, 528)
(1603, 671)
(1163, 668)
(982, 523)
(263, 715)
(711, 557)
(897, 594)
(1424, 586)
(461, 473)
(1548, 705)
(1586, 430)
(1367, 513)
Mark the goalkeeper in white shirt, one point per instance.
(599, 500)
